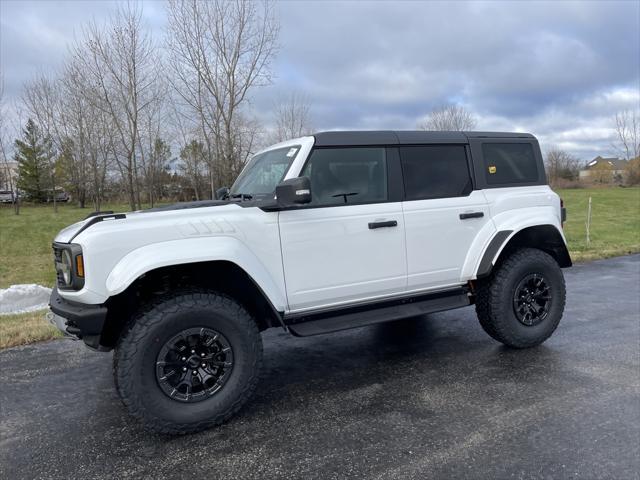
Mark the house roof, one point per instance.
(611, 162)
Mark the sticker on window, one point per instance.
(292, 152)
(492, 169)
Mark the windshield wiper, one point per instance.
(241, 196)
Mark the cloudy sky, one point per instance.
(559, 70)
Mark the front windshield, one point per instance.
(263, 172)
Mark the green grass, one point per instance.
(25, 328)
(615, 222)
(25, 240)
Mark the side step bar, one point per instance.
(304, 325)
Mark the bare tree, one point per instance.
(561, 165)
(292, 118)
(154, 152)
(75, 119)
(449, 118)
(121, 64)
(220, 50)
(41, 97)
(4, 154)
(627, 142)
(87, 134)
(628, 133)
(192, 158)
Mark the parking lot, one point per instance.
(430, 397)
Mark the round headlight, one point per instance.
(65, 267)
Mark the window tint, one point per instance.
(347, 175)
(509, 163)
(435, 171)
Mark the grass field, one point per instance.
(615, 222)
(25, 240)
(25, 244)
(25, 328)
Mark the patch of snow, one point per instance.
(23, 298)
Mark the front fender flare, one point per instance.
(195, 250)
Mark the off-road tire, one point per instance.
(494, 298)
(137, 349)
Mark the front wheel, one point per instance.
(188, 362)
(523, 301)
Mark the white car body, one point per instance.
(318, 234)
(312, 259)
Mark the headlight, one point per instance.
(69, 264)
(65, 267)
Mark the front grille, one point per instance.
(57, 257)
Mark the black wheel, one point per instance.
(523, 301)
(188, 362)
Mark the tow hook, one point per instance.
(61, 324)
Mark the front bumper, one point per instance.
(78, 320)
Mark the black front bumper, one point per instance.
(82, 320)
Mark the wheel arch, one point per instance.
(225, 265)
(143, 260)
(543, 237)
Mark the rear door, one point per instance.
(348, 244)
(443, 213)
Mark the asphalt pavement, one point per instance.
(429, 397)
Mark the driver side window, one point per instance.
(347, 175)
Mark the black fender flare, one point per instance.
(544, 237)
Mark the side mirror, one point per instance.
(295, 191)
(222, 193)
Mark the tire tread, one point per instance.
(490, 298)
(154, 313)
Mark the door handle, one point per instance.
(464, 216)
(388, 223)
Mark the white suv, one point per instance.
(318, 234)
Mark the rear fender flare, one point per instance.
(512, 226)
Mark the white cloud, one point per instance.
(559, 70)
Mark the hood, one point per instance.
(185, 205)
(67, 234)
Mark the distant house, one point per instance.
(9, 168)
(604, 170)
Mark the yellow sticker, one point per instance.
(492, 169)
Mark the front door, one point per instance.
(348, 244)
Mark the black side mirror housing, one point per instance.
(222, 193)
(292, 192)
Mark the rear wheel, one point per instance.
(523, 301)
(188, 362)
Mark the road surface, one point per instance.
(431, 397)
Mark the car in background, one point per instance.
(6, 196)
(60, 196)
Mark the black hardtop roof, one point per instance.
(403, 137)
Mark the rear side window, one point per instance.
(435, 171)
(509, 163)
(347, 175)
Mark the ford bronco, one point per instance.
(318, 234)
